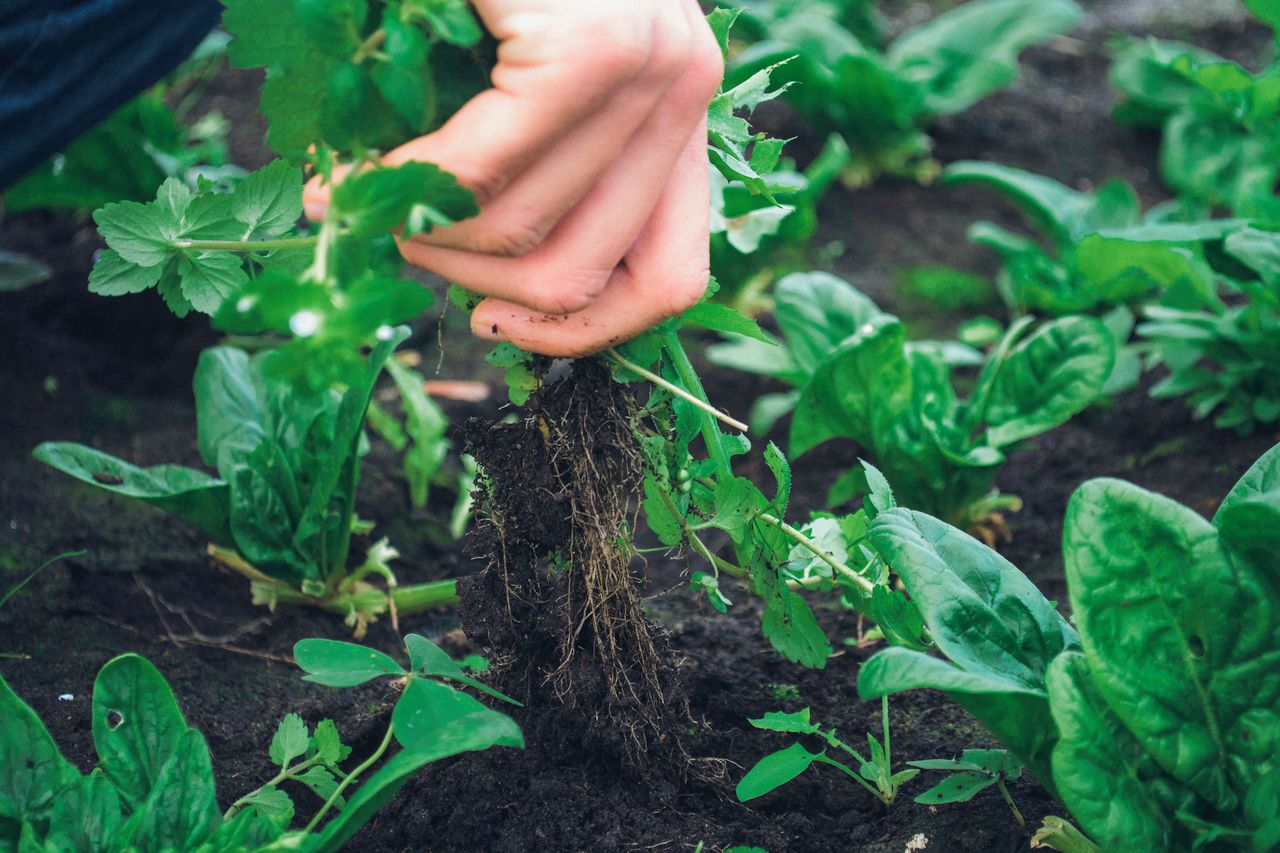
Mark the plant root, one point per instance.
(558, 605)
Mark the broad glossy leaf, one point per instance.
(33, 773)
(430, 717)
(773, 770)
(817, 312)
(1183, 642)
(86, 816)
(1262, 477)
(137, 726)
(1066, 215)
(1049, 377)
(865, 382)
(193, 496)
(334, 663)
(963, 55)
(181, 809)
(1096, 765)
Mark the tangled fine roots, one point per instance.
(558, 607)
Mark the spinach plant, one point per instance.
(858, 377)
(879, 101)
(1225, 358)
(281, 509)
(1156, 724)
(154, 786)
(875, 773)
(1220, 122)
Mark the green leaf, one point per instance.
(322, 783)
(780, 721)
(334, 663)
(273, 804)
(710, 585)
(1049, 377)
(1149, 582)
(193, 496)
(290, 740)
(789, 624)
(774, 770)
(379, 200)
(180, 810)
(451, 20)
(863, 384)
(268, 202)
(989, 620)
(430, 717)
(1262, 477)
(1061, 212)
(960, 788)
(139, 233)
(33, 773)
(469, 735)
(86, 816)
(1099, 767)
(817, 312)
(328, 743)
(112, 275)
(963, 55)
(429, 660)
(137, 727)
(721, 318)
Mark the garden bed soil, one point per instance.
(115, 373)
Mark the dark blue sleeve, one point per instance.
(65, 65)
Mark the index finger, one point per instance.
(558, 61)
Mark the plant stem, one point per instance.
(350, 777)
(423, 596)
(285, 773)
(369, 45)
(247, 245)
(622, 361)
(1004, 792)
(852, 775)
(818, 551)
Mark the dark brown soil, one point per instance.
(115, 373)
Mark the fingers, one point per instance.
(574, 264)
(665, 272)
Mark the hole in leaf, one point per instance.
(114, 720)
(1196, 646)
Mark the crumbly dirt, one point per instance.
(115, 373)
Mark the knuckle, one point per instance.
(705, 69)
(513, 239)
(617, 53)
(569, 293)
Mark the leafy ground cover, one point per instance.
(128, 397)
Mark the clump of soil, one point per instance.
(558, 606)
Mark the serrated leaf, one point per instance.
(268, 202)
(208, 278)
(322, 783)
(290, 741)
(273, 804)
(112, 275)
(328, 743)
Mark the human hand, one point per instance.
(588, 158)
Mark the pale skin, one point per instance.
(588, 157)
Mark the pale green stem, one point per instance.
(351, 777)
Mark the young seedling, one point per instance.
(973, 772)
(874, 773)
(154, 787)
